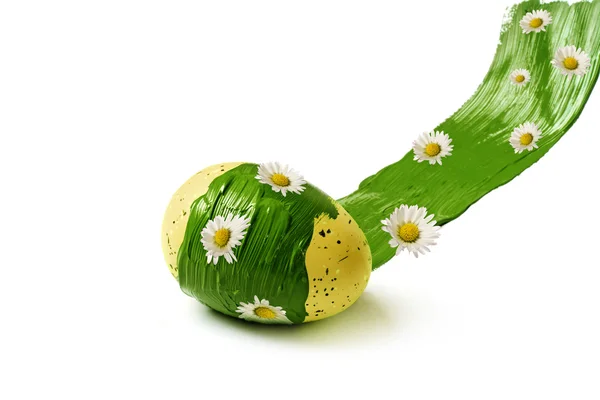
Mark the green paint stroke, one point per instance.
(271, 258)
(482, 158)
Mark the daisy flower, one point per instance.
(524, 137)
(222, 235)
(432, 147)
(262, 311)
(412, 229)
(571, 61)
(281, 178)
(520, 77)
(536, 21)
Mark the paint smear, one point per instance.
(482, 158)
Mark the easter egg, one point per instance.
(259, 243)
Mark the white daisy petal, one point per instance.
(519, 77)
(281, 178)
(571, 61)
(432, 147)
(412, 229)
(535, 21)
(222, 235)
(261, 311)
(525, 137)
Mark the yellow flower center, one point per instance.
(526, 139)
(408, 232)
(571, 63)
(264, 312)
(536, 23)
(222, 237)
(432, 149)
(280, 180)
(520, 78)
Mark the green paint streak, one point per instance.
(271, 258)
(483, 159)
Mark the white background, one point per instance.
(107, 107)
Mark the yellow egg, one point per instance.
(302, 253)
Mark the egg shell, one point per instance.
(302, 252)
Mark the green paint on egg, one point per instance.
(271, 258)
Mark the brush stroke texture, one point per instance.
(483, 159)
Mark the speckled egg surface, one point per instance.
(338, 262)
